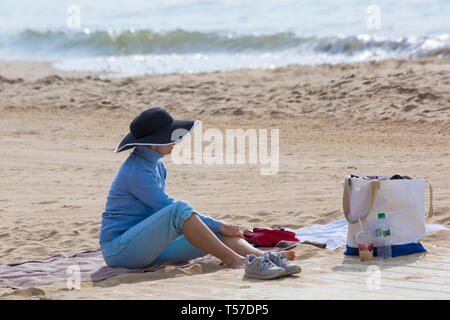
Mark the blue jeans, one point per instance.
(157, 238)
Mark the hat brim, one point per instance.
(175, 133)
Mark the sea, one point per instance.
(140, 37)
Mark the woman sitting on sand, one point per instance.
(141, 224)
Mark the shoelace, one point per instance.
(278, 259)
(265, 262)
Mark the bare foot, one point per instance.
(237, 264)
(289, 254)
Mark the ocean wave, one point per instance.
(133, 42)
(146, 41)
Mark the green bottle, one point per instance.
(379, 228)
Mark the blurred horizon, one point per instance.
(140, 37)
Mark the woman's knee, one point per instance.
(181, 205)
(180, 213)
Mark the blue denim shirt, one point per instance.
(137, 192)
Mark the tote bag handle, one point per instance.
(374, 187)
(430, 209)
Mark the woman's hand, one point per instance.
(230, 230)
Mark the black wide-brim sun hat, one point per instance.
(155, 126)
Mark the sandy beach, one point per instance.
(58, 132)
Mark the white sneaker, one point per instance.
(262, 267)
(281, 261)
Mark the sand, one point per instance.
(58, 131)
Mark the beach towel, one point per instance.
(334, 234)
(87, 266)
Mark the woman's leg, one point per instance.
(197, 233)
(144, 242)
(182, 249)
(141, 244)
(241, 246)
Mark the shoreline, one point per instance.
(29, 70)
(33, 70)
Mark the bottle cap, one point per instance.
(381, 215)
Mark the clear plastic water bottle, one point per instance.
(383, 237)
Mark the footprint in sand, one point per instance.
(93, 230)
(427, 95)
(409, 107)
(49, 235)
(47, 202)
(238, 112)
(263, 213)
(299, 213)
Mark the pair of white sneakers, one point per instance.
(269, 266)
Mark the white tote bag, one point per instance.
(402, 201)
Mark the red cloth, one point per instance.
(268, 237)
